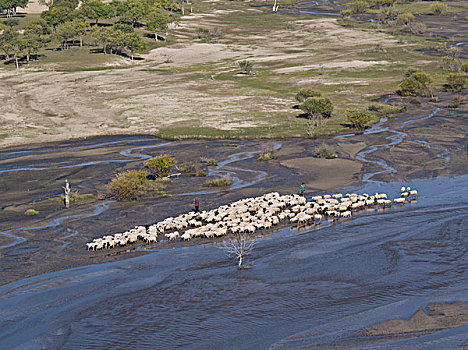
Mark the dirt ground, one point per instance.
(436, 317)
(43, 105)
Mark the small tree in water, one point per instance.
(239, 246)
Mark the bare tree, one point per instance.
(275, 6)
(67, 191)
(239, 246)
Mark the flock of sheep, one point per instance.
(250, 215)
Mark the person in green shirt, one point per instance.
(302, 189)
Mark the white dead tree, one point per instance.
(239, 246)
(67, 191)
(275, 6)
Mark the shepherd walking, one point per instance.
(302, 189)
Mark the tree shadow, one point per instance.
(151, 36)
(100, 24)
(303, 116)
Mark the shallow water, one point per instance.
(325, 281)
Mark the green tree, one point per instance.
(38, 27)
(317, 108)
(10, 6)
(6, 38)
(16, 48)
(358, 119)
(11, 22)
(57, 15)
(135, 11)
(156, 22)
(160, 165)
(126, 28)
(96, 10)
(80, 29)
(102, 36)
(133, 42)
(65, 33)
(305, 93)
(30, 44)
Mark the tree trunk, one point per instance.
(67, 191)
(183, 10)
(240, 262)
(81, 41)
(27, 58)
(131, 54)
(16, 61)
(156, 35)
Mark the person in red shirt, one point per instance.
(197, 204)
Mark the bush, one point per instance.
(439, 8)
(246, 66)
(417, 28)
(450, 64)
(75, 197)
(159, 191)
(358, 6)
(31, 212)
(128, 185)
(317, 107)
(221, 182)
(386, 110)
(457, 101)
(405, 18)
(358, 119)
(455, 82)
(209, 161)
(303, 94)
(267, 155)
(346, 13)
(160, 165)
(200, 173)
(324, 153)
(188, 168)
(207, 35)
(464, 67)
(416, 84)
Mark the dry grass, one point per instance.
(267, 155)
(221, 182)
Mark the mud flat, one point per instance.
(421, 143)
